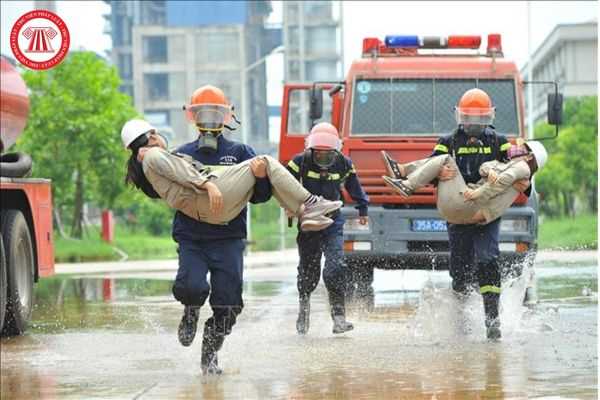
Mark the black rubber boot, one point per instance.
(492, 321)
(188, 325)
(211, 344)
(303, 321)
(338, 314)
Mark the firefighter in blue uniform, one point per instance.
(205, 247)
(322, 170)
(474, 249)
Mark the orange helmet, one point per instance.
(209, 108)
(475, 108)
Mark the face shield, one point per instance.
(474, 116)
(209, 117)
(324, 158)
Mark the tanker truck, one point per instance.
(26, 247)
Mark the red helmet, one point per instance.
(323, 136)
(475, 108)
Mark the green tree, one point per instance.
(572, 167)
(76, 113)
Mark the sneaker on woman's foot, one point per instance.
(398, 185)
(320, 207)
(315, 224)
(394, 169)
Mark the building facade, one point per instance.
(165, 50)
(313, 42)
(568, 56)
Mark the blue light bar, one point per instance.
(402, 41)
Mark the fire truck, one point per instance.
(26, 249)
(400, 97)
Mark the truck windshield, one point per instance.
(425, 106)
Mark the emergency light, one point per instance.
(413, 42)
(433, 42)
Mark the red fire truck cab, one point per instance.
(400, 97)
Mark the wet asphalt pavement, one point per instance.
(113, 336)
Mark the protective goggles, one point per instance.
(324, 158)
(209, 117)
(475, 116)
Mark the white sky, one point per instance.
(361, 19)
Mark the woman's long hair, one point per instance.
(135, 173)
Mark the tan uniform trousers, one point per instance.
(176, 181)
(491, 199)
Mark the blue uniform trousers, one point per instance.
(224, 259)
(474, 252)
(311, 247)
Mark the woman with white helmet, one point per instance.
(214, 196)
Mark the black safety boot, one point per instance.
(188, 325)
(492, 321)
(211, 344)
(340, 325)
(338, 314)
(493, 331)
(303, 321)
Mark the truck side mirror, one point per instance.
(316, 103)
(555, 101)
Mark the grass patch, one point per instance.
(144, 246)
(138, 246)
(578, 233)
(85, 250)
(266, 228)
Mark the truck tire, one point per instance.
(20, 265)
(15, 165)
(3, 289)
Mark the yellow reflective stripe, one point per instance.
(293, 166)
(505, 147)
(440, 147)
(316, 175)
(474, 150)
(489, 289)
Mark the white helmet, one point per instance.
(539, 152)
(133, 129)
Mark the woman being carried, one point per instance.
(458, 202)
(215, 196)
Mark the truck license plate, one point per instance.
(429, 225)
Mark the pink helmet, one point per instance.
(323, 136)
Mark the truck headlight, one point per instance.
(353, 224)
(514, 225)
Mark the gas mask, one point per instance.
(208, 141)
(474, 130)
(324, 158)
